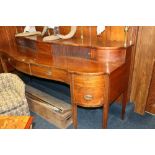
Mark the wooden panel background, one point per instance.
(110, 33)
(150, 106)
(145, 54)
(132, 37)
(7, 38)
(7, 35)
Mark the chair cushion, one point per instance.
(4, 82)
(9, 100)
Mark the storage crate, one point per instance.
(52, 109)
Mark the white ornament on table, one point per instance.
(100, 29)
(29, 29)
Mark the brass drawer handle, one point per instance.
(49, 73)
(9, 59)
(23, 60)
(88, 97)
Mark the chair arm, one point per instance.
(12, 81)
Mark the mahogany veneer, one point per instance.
(16, 122)
(96, 70)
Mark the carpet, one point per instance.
(89, 118)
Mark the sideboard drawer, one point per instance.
(60, 75)
(88, 91)
(71, 51)
(19, 65)
(41, 71)
(108, 55)
(49, 73)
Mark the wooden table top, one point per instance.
(68, 63)
(15, 122)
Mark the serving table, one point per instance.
(97, 71)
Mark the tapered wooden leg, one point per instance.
(105, 115)
(124, 102)
(74, 115)
(5, 69)
(106, 102)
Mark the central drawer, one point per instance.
(49, 72)
(60, 75)
(41, 71)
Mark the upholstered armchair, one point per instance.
(12, 96)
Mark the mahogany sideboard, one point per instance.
(96, 70)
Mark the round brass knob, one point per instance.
(88, 97)
(49, 73)
(23, 60)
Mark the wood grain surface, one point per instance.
(143, 67)
(150, 106)
(15, 122)
(97, 70)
